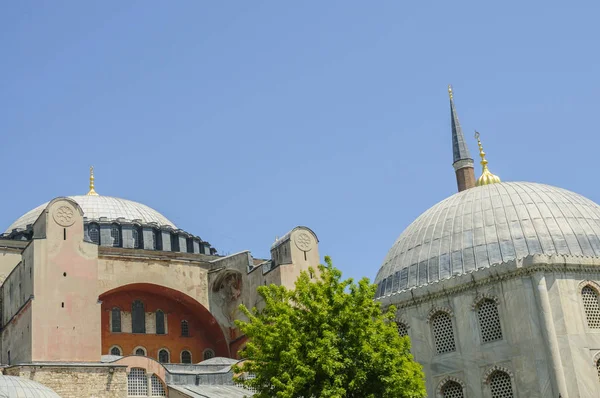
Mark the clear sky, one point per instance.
(240, 120)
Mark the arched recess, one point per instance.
(204, 326)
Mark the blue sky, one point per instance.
(240, 120)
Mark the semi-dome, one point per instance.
(17, 387)
(96, 206)
(489, 225)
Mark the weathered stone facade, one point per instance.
(73, 381)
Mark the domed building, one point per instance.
(498, 287)
(106, 297)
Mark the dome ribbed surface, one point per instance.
(18, 387)
(95, 207)
(489, 225)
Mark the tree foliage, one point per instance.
(326, 338)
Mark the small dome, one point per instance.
(489, 225)
(96, 206)
(18, 387)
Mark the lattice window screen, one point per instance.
(208, 354)
(115, 234)
(591, 306)
(501, 385)
(402, 329)
(158, 389)
(116, 320)
(489, 321)
(186, 357)
(94, 233)
(185, 330)
(598, 368)
(452, 390)
(163, 356)
(115, 351)
(137, 383)
(443, 333)
(160, 322)
(138, 317)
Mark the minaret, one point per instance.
(92, 191)
(463, 163)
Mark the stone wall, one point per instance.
(77, 381)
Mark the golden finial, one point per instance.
(450, 91)
(486, 176)
(92, 191)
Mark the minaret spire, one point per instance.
(462, 161)
(92, 191)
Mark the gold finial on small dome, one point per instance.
(92, 191)
(450, 91)
(486, 177)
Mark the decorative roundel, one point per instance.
(64, 216)
(303, 241)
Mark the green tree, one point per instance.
(326, 338)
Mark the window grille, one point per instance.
(115, 234)
(186, 357)
(443, 333)
(94, 233)
(163, 356)
(591, 306)
(141, 352)
(138, 317)
(452, 390)
(158, 389)
(185, 330)
(160, 322)
(115, 351)
(501, 385)
(137, 383)
(138, 237)
(116, 320)
(598, 368)
(208, 354)
(402, 329)
(489, 321)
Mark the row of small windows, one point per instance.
(138, 320)
(164, 356)
(140, 385)
(138, 238)
(500, 384)
(442, 327)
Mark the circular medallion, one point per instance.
(303, 241)
(64, 216)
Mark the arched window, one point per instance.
(591, 306)
(185, 330)
(489, 320)
(137, 383)
(94, 233)
(158, 389)
(115, 320)
(186, 356)
(115, 234)
(501, 385)
(160, 322)
(174, 242)
(157, 239)
(163, 356)
(138, 237)
(140, 351)
(138, 317)
(402, 329)
(115, 350)
(443, 332)
(452, 390)
(208, 354)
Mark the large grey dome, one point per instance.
(18, 387)
(96, 206)
(490, 225)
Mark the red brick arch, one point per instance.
(205, 331)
